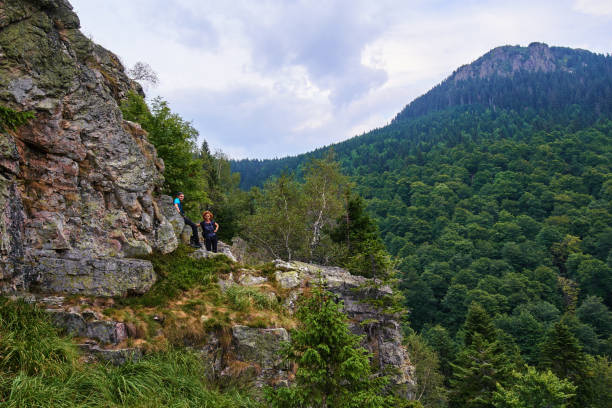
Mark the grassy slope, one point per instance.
(41, 367)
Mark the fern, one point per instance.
(12, 120)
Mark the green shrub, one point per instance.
(11, 120)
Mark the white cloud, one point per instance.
(594, 7)
(270, 78)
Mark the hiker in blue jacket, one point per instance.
(209, 231)
(178, 204)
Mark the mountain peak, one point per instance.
(516, 77)
(507, 60)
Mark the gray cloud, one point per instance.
(271, 77)
(327, 38)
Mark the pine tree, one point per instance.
(481, 365)
(333, 369)
(562, 354)
(366, 254)
(478, 322)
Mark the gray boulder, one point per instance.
(258, 353)
(104, 331)
(92, 276)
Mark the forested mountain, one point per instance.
(494, 190)
(513, 77)
(545, 86)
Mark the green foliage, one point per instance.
(478, 323)
(534, 389)
(324, 190)
(29, 343)
(439, 340)
(38, 368)
(318, 221)
(598, 385)
(12, 120)
(485, 191)
(429, 381)
(365, 254)
(481, 365)
(229, 204)
(333, 369)
(278, 225)
(175, 141)
(593, 312)
(562, 354)
(176, 273)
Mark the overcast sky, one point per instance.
(264, 79)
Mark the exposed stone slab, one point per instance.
(260, 346)
(287, 280)
(251, 280)
(257, 354)
(222, 248)
(114, 356)
(104, 331)
(92, 276)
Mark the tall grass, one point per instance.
(29, 342)
(177, 272)
(38, 368)
(243, 298)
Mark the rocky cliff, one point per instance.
(238, 348)
(80, 201)
(77, 184)
(508, 60)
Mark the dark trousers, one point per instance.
(211, 244)
(194, 230)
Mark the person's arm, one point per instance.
(216, 227)
(178, 210)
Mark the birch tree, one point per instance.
(279, 225)
(324, 190)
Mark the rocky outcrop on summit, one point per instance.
(538, 77)
(78, 180)
(508, 60)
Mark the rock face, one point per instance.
(259, 351)
(87, 275)
(254, 352)
(381, 333)
(507, 61)
(78, 179)
(103, 331)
